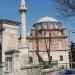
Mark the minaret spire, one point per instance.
(23, 7)
(22, 11)
(23, 45)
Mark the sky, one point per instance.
(36, 9)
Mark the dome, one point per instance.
(46, 19)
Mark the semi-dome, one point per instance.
(47, 19)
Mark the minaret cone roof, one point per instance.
(22, 5)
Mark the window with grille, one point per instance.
(30, 59)
(61, 58)
(60, 44)
(9, 64)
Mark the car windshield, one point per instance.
(68, 72)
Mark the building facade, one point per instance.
(8, 36)
(48, 36)
(46, 44)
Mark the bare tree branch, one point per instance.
(66, 7)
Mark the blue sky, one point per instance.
(36, 10)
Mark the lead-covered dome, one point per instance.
(47, 23)
(47, 19)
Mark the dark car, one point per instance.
(66, 72)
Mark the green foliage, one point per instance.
(46, 66)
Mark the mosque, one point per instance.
(46, 43)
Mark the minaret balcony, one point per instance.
(21, 9)
(11, 51)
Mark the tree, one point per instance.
(73, 51)
(66, 7)
(40, 59)
(72, 47)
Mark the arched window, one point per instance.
(48, 25)
(59, 44)
(51, 26)
(56, 26)
(47, 34)
(9, 64)
(59, 33)
(30, 45)
(44, 26)
(61, 57)
(30, 59)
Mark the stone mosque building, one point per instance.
(48, 34)
(47, 42)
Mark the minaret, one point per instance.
(22, 11)
(23, 45)
(21, 56)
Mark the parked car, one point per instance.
(66, 72)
